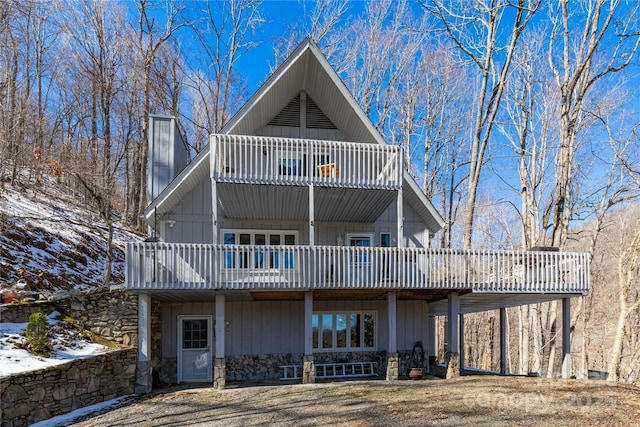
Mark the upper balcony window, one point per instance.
(257, 258)
(291, 164)
(295, 164)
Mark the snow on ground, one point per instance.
(67, 344)
(71, 417)
(53, 240)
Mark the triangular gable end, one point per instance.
(306, 69)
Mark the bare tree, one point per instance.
(224, 30)
(583, 50)
(476, 33)
(151, 35)
(99, 53)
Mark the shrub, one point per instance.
(38, 333)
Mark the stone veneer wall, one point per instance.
(261, 367)
(34, 396)
(110, 314)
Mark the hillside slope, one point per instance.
(52, 240)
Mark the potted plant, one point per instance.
(417, 361)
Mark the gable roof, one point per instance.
(305, 69)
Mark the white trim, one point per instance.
(351, 235)
(254, 231)
(209, 319)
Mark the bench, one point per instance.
(332, 370)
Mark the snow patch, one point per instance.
(67, 344)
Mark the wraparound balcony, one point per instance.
(244, 159)
(173, 266)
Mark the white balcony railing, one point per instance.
(164, 266)
(286, 161)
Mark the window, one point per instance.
(255, 258)
(194, 333)
(291, 164)
(343, 331)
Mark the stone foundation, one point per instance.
(219, 373)
(167, 371)
(308, 370)
(260, 367)
(452, 360)
(392, 366)
(143, 378)
(267, 367)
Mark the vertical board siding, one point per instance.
(265, 327)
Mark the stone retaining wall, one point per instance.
(111, 314)
(34, 396)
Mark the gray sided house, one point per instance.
(295, 246)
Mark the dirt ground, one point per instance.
(465, 401)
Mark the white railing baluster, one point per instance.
(196, 266)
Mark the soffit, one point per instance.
(476, 301)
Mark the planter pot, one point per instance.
(9, 297)
(415, 373)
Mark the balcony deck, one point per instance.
(244, 159)
(174, 266)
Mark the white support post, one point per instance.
(219, 370)
(312, 214)
(432, 342)
(308, 327)
(308, 367)
(399, 207)
(400, 220)
(143, 376)
(566, 338)
(392, 310)
(453, 314)
(426, 337)
(392, 348)
(220, 320)
(213, 148)
(503, 341)
(461, 338)
(452, 357)
(214, 211)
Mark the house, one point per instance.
(295, 245)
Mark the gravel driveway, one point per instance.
(466, 401)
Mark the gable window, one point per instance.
(255, 258)
(344, 331)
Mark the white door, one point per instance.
(195, 348)
(360, 260)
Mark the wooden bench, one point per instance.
(332, 370)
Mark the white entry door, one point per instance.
(360, 263)
(195, 348)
